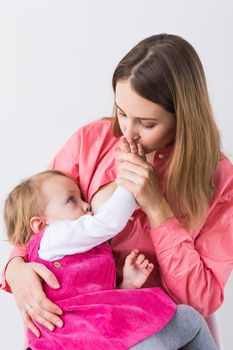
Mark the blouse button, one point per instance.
(161, 156)
(57, 264)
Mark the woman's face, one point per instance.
(142, 120)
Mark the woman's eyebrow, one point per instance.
(119, 108)
(154, 119)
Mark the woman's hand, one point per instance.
(25, 280)
(138, 176)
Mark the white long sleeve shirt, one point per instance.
(68, 237)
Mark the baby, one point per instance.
(47, 213)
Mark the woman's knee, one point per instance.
(189, 317)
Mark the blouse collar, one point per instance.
(163, 153)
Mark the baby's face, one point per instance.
(63, 199)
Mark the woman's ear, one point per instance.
(38, 224)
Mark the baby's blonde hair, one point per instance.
(24, 202)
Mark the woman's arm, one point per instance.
(17, 251)
(195, 271)
(192, 271)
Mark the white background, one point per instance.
(56, 62)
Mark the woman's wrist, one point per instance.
(12, 269)
(160, 213)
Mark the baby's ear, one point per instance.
(38, 224)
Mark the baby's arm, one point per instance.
(75, 236)
(70, 237)
(136, 270)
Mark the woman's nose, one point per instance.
(131, 133)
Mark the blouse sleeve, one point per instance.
(195, 271)
(20, 251)
(66, 159)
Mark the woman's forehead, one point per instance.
(131, 103)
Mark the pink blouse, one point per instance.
(193, 269)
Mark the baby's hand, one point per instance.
(131, 147)
(136, 270)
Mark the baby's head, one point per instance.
(40, 201)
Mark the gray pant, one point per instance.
(187, 330)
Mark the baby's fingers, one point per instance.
(144, 264)
(132, 256)
(150, 267)
(140, 259)
(147, 269)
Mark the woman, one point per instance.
(184, 188)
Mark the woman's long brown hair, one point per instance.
(166, 70)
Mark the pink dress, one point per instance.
(95, 314)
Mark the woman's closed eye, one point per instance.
(140, 122)
(147, 126)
